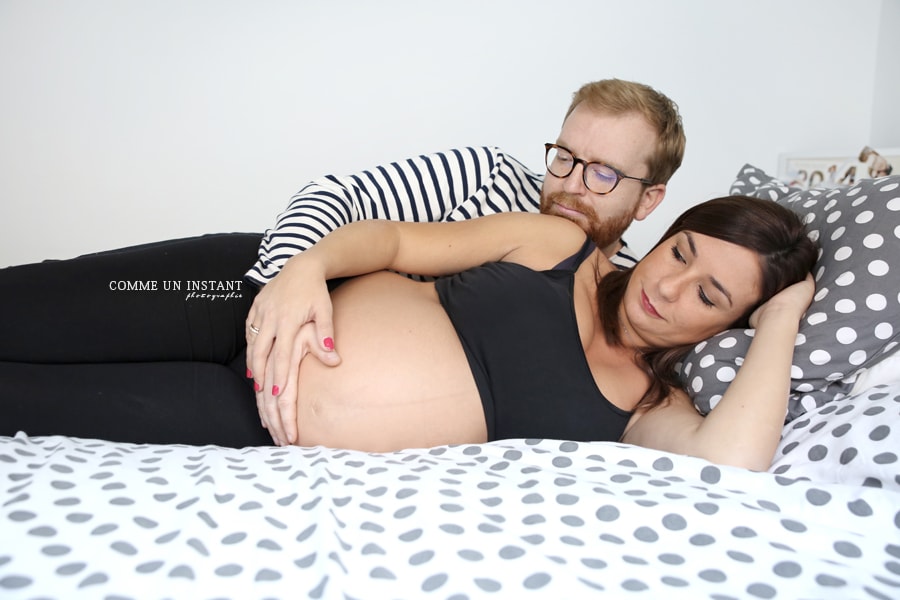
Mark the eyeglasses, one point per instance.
(599, 178)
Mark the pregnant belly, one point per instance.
(403, 381)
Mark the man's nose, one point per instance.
(574, 183)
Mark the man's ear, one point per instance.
(650, 199)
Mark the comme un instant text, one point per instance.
(209, 289)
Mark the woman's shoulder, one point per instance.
(547, 240)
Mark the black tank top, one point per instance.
(518, 329)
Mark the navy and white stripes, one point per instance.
(445, 186)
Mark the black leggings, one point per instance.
(142, 344)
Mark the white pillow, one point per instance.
(854, 440)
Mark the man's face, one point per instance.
(624, 142)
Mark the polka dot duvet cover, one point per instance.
(515, 519)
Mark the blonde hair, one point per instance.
(618, 97)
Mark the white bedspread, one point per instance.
(518, 519)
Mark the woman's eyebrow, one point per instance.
(716, 283)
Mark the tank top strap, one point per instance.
(573, 262)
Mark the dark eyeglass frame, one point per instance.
(585, 164)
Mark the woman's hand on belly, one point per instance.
(404, 380)
(290, 317)
(278, 414)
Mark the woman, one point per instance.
(591, 355)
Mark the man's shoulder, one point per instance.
(624, 258)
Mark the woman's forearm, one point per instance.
(745, 426)
(441, 248)
(354, 249)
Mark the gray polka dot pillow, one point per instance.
(854, 319)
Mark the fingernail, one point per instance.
(249, 374)
(275, 390)
(256, 386)
(329, 343)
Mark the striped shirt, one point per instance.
(445, 186)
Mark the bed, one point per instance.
(520, 518)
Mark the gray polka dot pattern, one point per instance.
(853, 322)
(515, 519)
(853, 440)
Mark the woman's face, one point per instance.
(689, 288)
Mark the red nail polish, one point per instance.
(329, 343)
(256, 386)
(249, 374)
(275, 390)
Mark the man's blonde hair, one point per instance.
(618, 97)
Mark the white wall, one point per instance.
(886, 101)
(127, 121)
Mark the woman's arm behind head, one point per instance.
(745, 427)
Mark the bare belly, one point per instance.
(404, 380)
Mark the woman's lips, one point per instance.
(648, 306)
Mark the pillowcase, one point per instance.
(852, 441)
(854, 320)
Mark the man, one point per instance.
(619, 144)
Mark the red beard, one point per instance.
(603, 232)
